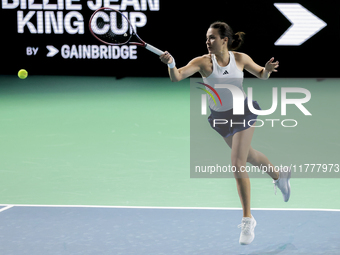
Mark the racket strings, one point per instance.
(111, 27)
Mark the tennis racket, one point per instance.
(112, 27)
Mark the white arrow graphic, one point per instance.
(52, 51)
(304, 24)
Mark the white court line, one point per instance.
(165, 207)
(6, 207)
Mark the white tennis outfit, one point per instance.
(229, 74)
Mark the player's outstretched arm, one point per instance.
(259, 71)
(179, 74)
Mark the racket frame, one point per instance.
(141, 43)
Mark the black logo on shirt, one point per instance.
(225, 72)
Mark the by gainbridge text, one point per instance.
(98, 52)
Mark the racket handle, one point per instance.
(153, 49)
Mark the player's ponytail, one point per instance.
(237, 40)
(224, 30)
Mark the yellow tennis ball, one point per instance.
(22, 74)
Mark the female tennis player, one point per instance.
(223, 62)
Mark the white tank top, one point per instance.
(229, 74)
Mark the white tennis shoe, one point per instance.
(247, 230)
(283, 182)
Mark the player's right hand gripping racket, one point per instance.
(112, 27)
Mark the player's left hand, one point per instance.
(271, 66)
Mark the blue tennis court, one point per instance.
(51, 230)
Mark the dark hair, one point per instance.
(224, 30)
